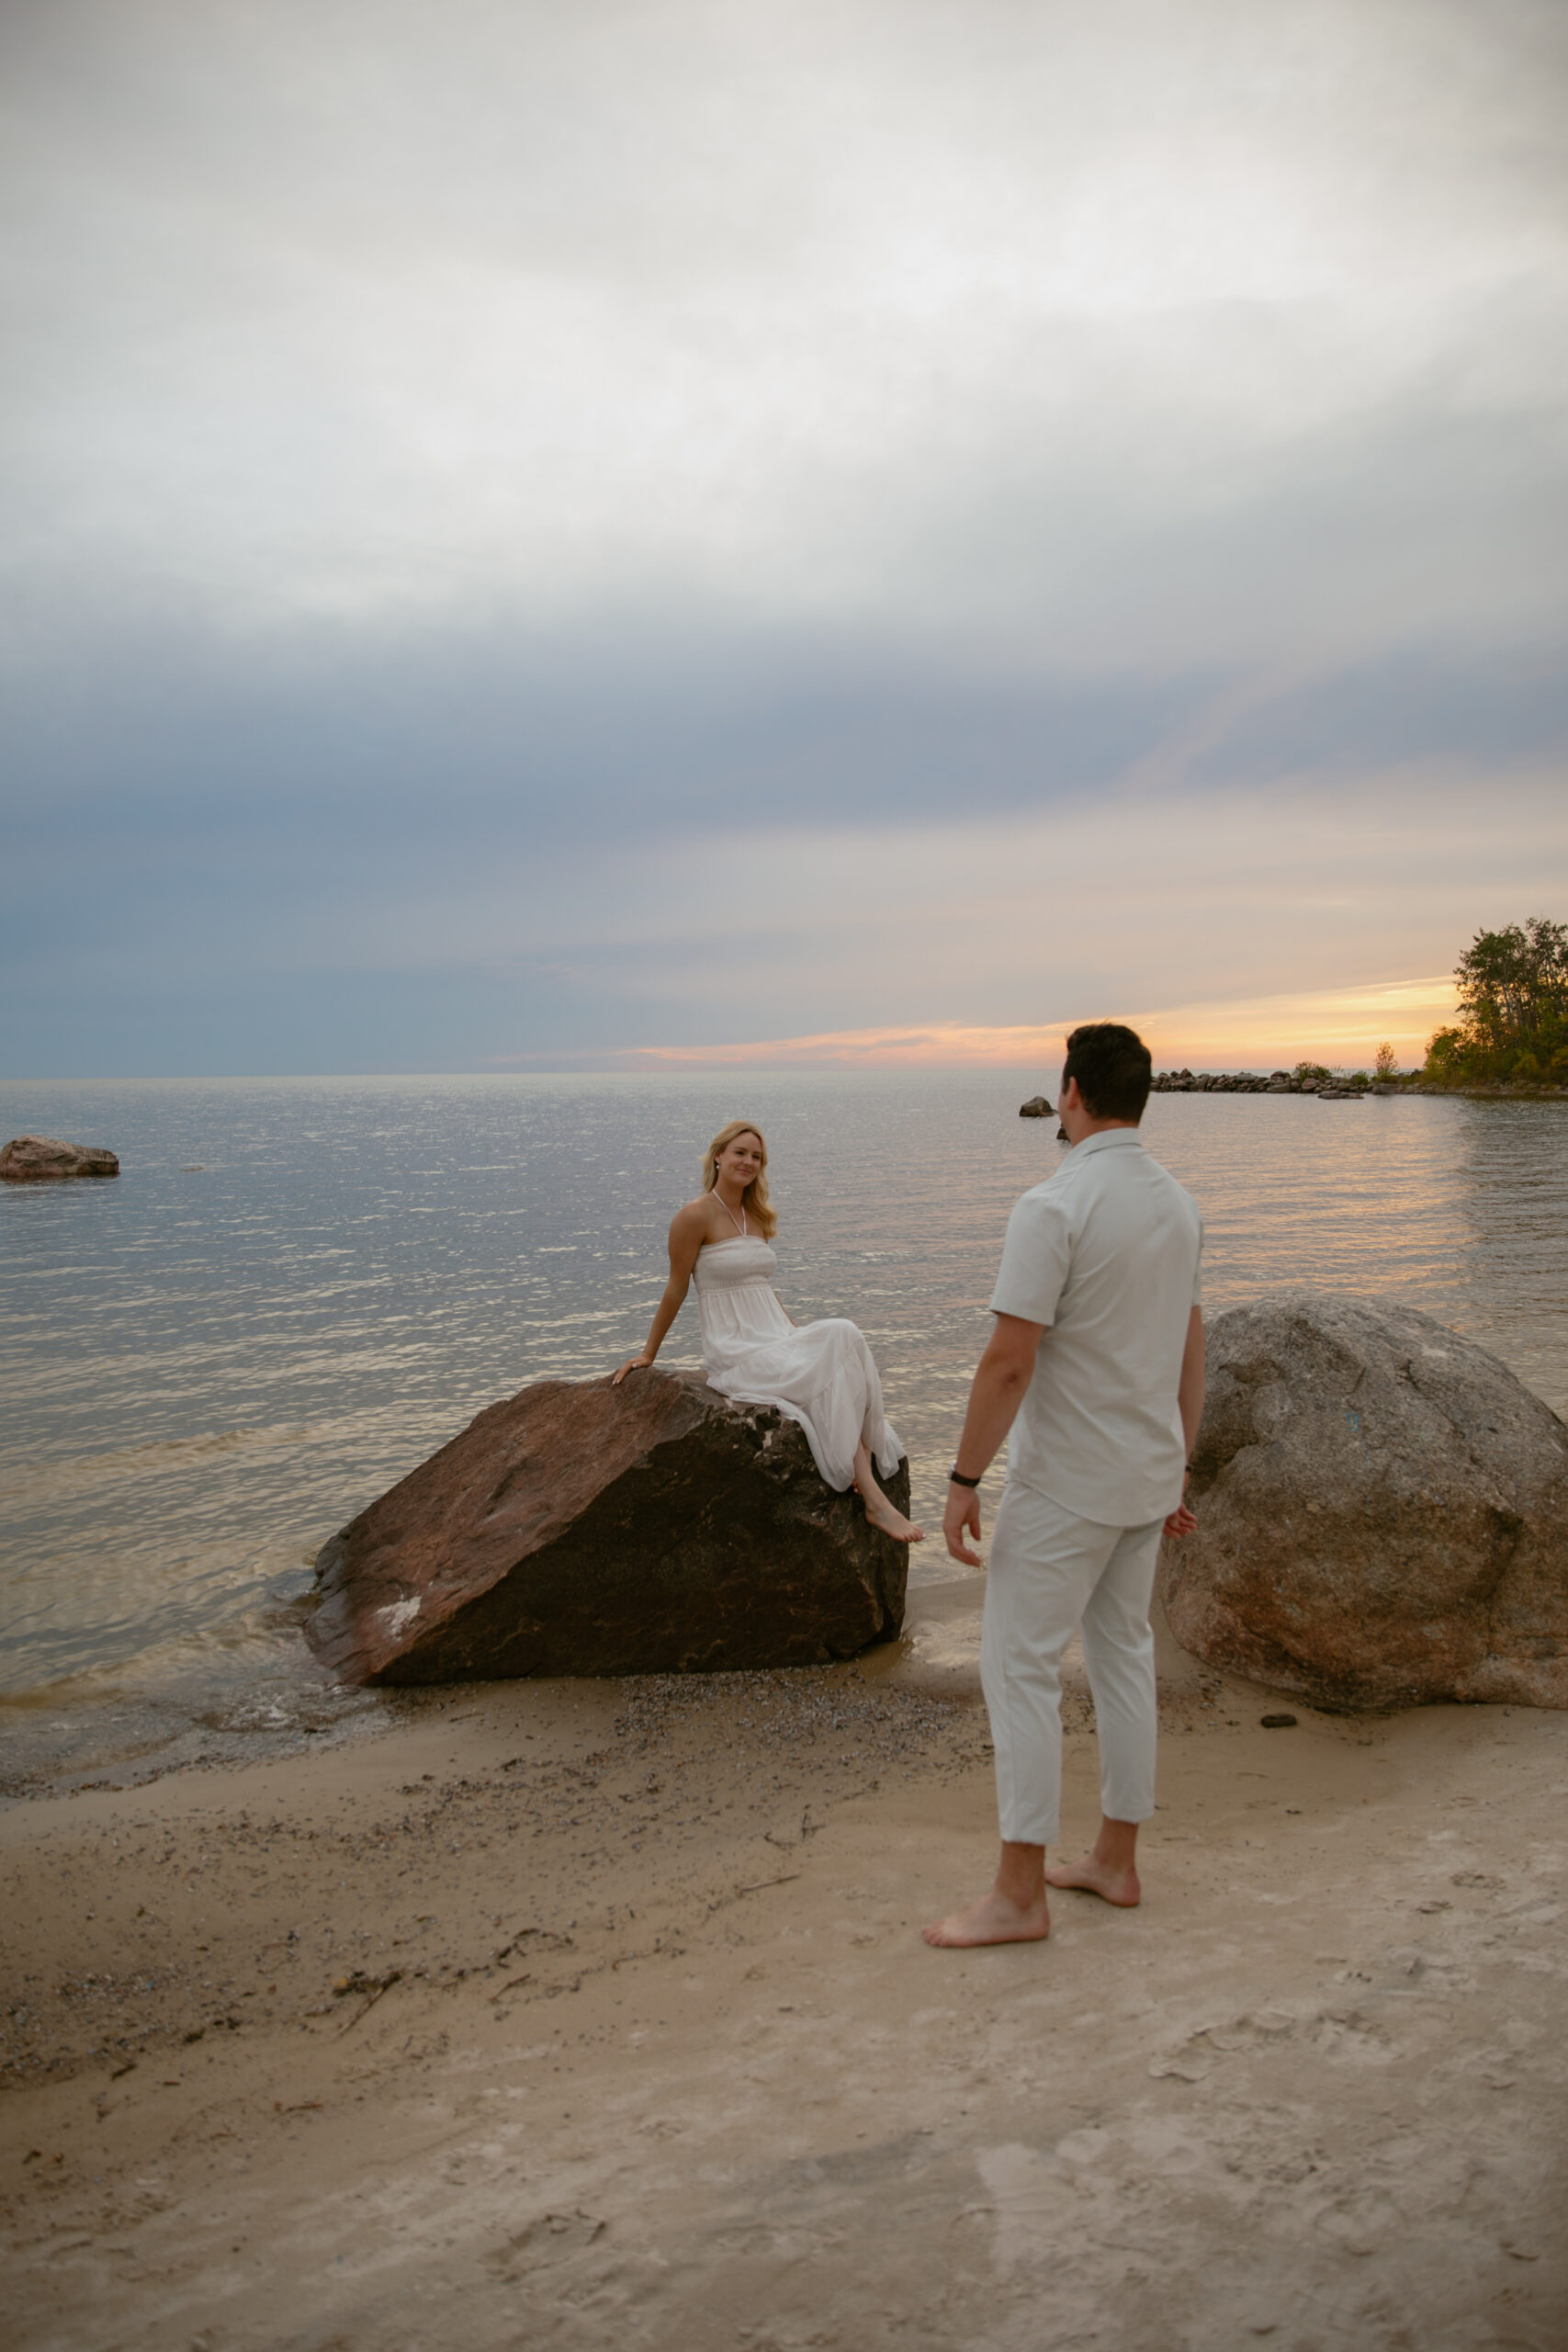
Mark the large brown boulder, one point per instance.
(1382, 1512)
(39, 1159)
(577, 1528)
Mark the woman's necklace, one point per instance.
(738, 1221)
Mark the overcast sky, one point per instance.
(539, 534)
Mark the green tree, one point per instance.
(1513, 984)
(1385, 1067)
(1512, 1002)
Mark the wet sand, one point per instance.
(569, 2015)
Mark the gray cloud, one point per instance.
(911, 312)
(525, 439)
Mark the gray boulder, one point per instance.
(1382, 1512)
(41, 1159)
(1037, 1107)
(578, 1528)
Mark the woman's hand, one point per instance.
(633, 1363)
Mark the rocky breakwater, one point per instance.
(1382, 1512)
(581, 1529)
(42, 1160)
(1252, 1081)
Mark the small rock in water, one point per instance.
(1036, 1107)
(41, 1160)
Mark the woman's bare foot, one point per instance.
(1116, 1884)
(995, 1919)
(881, 1513)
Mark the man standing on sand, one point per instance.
(1096, 1366)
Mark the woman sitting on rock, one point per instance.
(820, 1374)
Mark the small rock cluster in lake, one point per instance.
(1238, 1081)
(41, 1160)
(579, 1527)
(1382, 1512)
(1251, 1081)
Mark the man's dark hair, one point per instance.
(1112, 1067)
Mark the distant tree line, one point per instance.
(1513, 1006)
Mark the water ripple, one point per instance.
(298, 1289)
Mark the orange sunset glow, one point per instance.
(1339, 1026)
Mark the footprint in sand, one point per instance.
(1195, 2058)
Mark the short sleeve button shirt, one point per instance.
(1105, 1253)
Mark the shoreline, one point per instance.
(636, 2036)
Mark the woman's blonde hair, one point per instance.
(754, 1199)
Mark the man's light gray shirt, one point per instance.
(1105, 1253)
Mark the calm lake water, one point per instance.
(299, 1288)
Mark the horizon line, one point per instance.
(1340, 1027)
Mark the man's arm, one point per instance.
(1002, 1375)
(1189, 1404)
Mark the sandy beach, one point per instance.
(567, 2014)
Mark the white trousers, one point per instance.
(1050, 1572)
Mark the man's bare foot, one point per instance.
(881, 1513)
(1092, 1876)
(993, 1919)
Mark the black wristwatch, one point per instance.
(956, 1477)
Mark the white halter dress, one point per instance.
(820, 1374)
